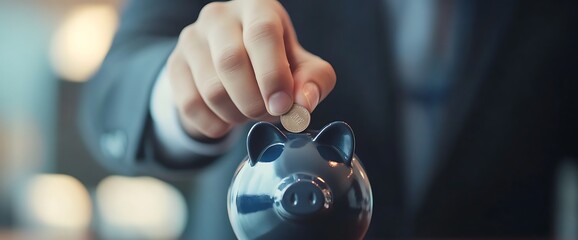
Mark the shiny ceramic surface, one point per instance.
(309, 185)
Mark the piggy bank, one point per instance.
(309, 185)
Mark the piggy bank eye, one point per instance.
(336, 136)
(264, 136)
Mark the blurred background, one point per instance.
(50, 188)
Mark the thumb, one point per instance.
(314, 78)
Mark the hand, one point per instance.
(241, 60)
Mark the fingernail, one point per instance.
(311, 93)
(279, 103)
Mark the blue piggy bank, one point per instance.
(309, 185)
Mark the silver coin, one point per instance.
(296, 120)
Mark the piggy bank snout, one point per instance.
(302, 198)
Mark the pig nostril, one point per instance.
(294, 199)
(303, 198)
(312, 198)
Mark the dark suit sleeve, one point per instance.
(114, 112)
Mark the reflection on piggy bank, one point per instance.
(300, 186)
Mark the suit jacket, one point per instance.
(512, 114)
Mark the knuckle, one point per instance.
(271, 79)
(255, 111)
(262, 29)
(187, 32)
(329, 72)
(215, 93)
(277, 5)
(215, 129)
(187, 125)
(190, 105)
(237, 119)
(211, 10)
(230, 58)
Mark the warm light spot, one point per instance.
(139, 208)
(333, 164)
(362, 174)
(57, 202)
(82, 41)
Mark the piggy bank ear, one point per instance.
(339, 136)
(262, 136)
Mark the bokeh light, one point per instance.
(57, 202)
(82, 41)
(139, 208)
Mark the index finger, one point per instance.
(263, 38)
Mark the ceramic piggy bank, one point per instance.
(308, 185)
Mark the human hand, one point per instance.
(241, 60)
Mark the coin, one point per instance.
(296, 120)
